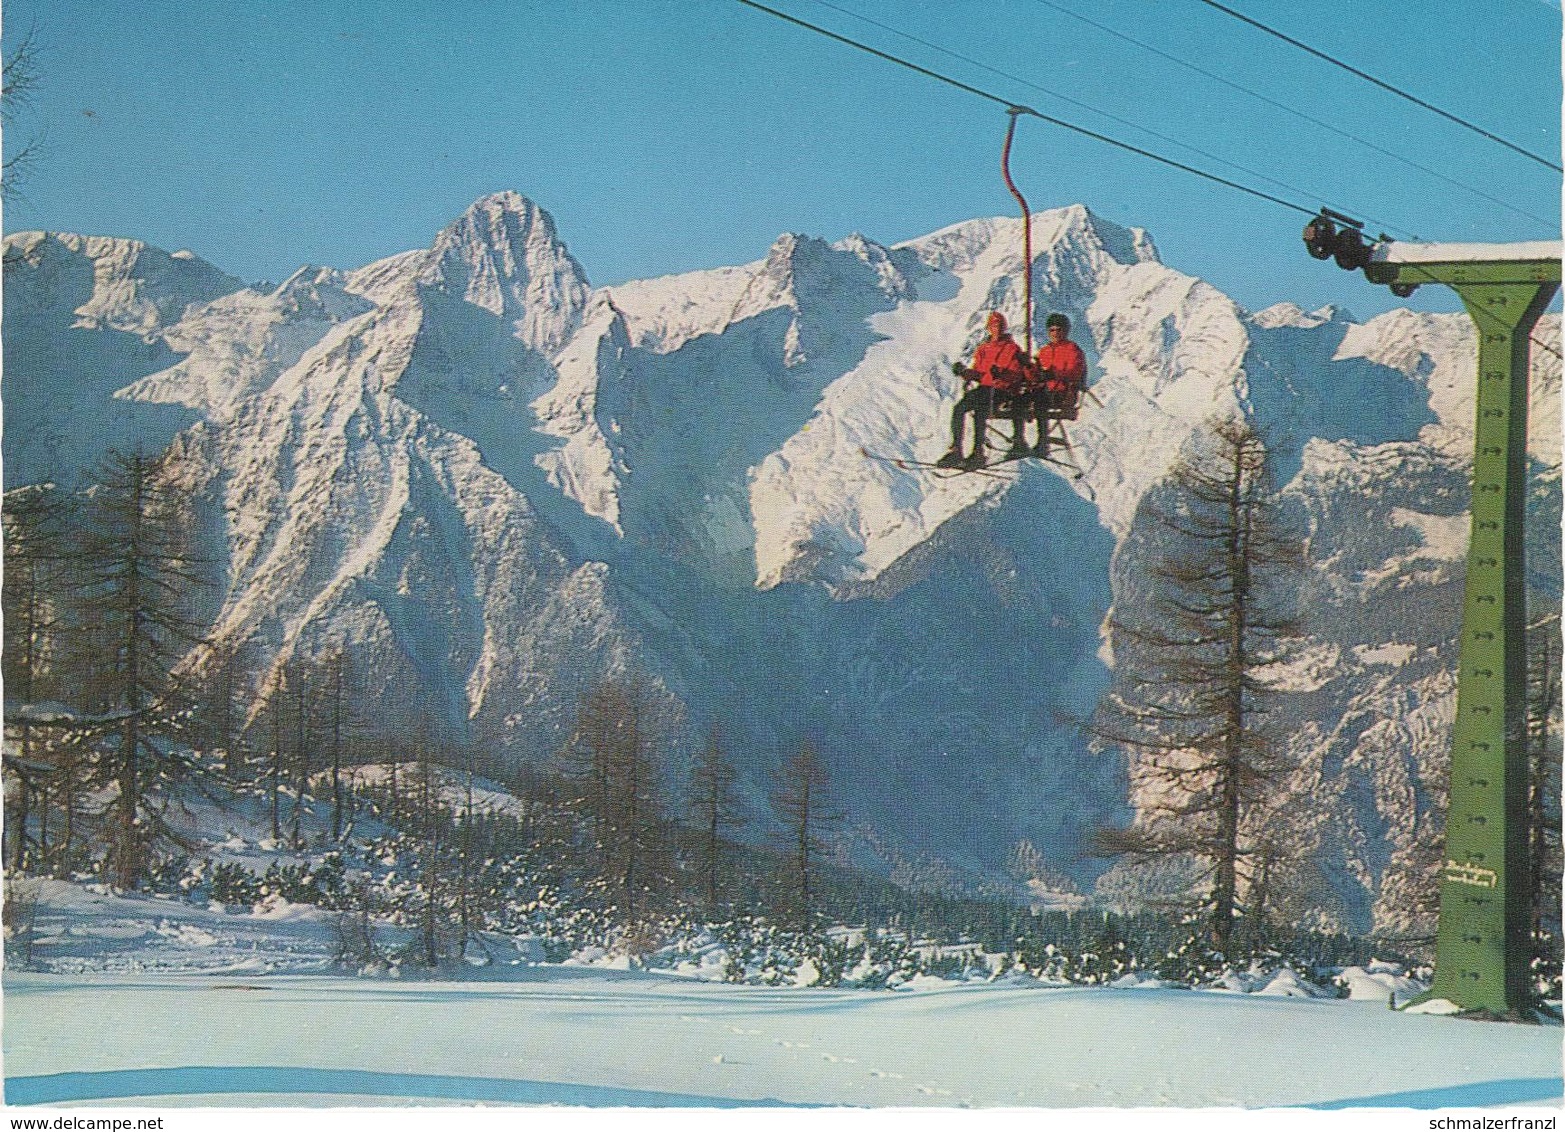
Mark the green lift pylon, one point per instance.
(1483, 947)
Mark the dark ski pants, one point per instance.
(1053, 405)
(980, 401)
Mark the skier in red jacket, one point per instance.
(999, 367)
(1061, 370)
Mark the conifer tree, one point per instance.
(801, 801)
(274, 756)
(617, 762)
(431, 847)
(340, 725)
(714, 807)
(1190, 695)
(300, 761)
(34, 587)
(589, 759)
(139, 576)
(464, 854)
(220, 717)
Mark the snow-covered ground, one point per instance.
(156, 1000)
(142, 1002)
(572, 1035)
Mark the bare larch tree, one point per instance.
(1190, 694)
(714, 808)
(139, 574)
(801, 801)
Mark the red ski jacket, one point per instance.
(1063, 364)
(1000, 363)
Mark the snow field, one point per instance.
(955, 1047)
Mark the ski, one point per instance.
(908, 464)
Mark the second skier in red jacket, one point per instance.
(1061, 370)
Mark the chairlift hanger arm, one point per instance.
(1005, 170)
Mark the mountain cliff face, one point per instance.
(495, 484)
(84, 317)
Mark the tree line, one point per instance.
(115, 703)
(101, 596)
(117, 707)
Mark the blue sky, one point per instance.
(665, 136)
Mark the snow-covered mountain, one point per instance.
(84, 317)
(498, 483)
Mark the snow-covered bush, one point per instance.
(323, 884)
(233, 885)
(830, 958)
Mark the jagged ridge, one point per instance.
(499, 485)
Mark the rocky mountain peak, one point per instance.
(505, 256)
